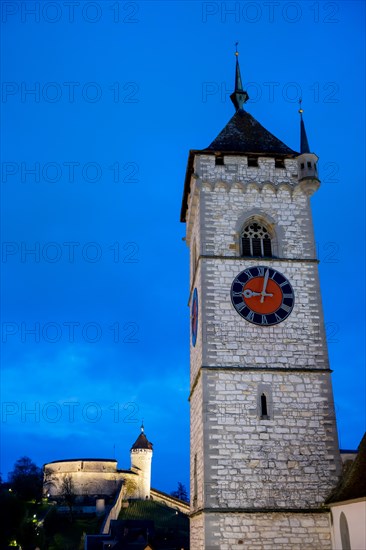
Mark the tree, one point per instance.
(13, 514)
(68, 493)
(26, 479)
(181, 492)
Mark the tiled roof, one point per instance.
(244, 134)
(142, 443)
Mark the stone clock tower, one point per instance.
(264, 449)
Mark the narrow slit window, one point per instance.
(195, 480)
(264, 409)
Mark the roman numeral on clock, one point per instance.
(271, 299)
(250, 316)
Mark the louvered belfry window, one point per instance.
(256, 241)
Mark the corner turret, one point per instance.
(141, 457)
(307, 162)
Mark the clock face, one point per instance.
(194, 317)
(262, 295)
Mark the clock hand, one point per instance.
(249, 293)
(265, 282)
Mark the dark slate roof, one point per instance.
(304, 143)
(244, 134)
(142, 442)
(352, 484)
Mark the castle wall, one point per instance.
(90, 478)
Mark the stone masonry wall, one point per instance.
(288, 460)
(196, 454)
(229, 340)
(272, 531)
(90, 477)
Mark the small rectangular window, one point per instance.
(219, 161)
(279, 163)
(309, 164)
(302, 166)
(253, 161)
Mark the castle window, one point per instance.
(264, 410)
(256, 241)
(309, 164)
(302, 166)
(279, 163)
(253, 162)
(219, 160)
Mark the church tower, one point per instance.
(141, 457)
(264, 449)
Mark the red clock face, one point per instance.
(262, 295)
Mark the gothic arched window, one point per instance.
(343, 526)
(256, 240)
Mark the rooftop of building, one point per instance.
(352, 484)
(142, 442)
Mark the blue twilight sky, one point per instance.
(121, 92)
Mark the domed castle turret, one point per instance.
(141, 456)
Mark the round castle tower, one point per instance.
(141, 456)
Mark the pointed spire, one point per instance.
(304, 144)
(239, 96)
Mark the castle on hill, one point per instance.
(95, 480)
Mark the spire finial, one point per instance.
(239, 96)
(300, 107)
(142, 427)
(304, 144)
